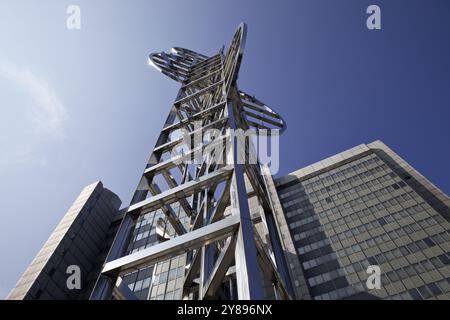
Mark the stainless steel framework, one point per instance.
(220, 239)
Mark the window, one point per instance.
(404, 251)
(172, 274)
(437, 239)
(427, 265)
(424, 292)
(410, 271)
(429, 242)
(371, 242)
(163, 277)
(146, 283)
(380, 258)
(445, 260)
(412, 247)
(392, 276)
(176, 294)
(389, 255)
(393, 235)
(418, 268)
(138, 285)
(357, 266)
(397, 253)
(421, 244)
(402, 274)
(444, 285)
(408, 229)
(415, 294)
(169, 295)
(436, 262)
(434, 289)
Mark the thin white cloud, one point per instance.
(48, 112)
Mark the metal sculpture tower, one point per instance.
(205, 212)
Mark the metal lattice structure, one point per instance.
(226, 246)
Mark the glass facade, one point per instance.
(164, 280)
(362, 213)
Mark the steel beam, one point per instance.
(122, 292)
(219, 269)
(176, 246)
(249, 282)
(182, 191)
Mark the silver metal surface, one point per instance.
(223, 253)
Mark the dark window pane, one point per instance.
(429, 242)
(445, 260)
(414, 294)
(434, 289)
(424, 292)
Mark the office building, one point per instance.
(366, 206)
(81, 239)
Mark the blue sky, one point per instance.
(80, 106)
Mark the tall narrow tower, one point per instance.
(201, 223)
